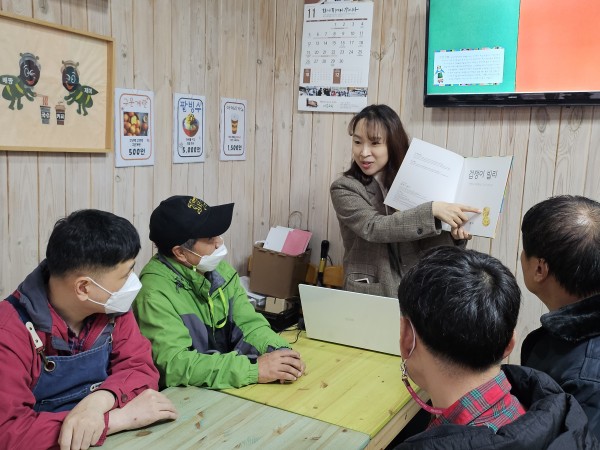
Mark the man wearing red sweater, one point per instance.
(75, 366)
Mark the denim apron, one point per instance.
(65, 380)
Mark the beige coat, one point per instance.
(380, 243)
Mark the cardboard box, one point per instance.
(277, 305)
(277, 274)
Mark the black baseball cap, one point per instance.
(183, 217)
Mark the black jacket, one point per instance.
(567, 347)
(554, 420)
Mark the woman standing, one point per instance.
(381, 243)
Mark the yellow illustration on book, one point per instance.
(486, 216)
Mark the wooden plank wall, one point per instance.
(251, 49)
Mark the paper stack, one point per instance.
(290, 241)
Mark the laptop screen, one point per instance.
(351, 318)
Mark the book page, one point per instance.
(276, 238)
(427, 173)
(483, 185)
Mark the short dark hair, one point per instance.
(90, 240)
(565, 232)
(381, 117)
(463, 305)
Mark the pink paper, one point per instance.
(296, 242)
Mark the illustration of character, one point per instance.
(485, 221)
(16, 87)
(439, 72)
(77, 93)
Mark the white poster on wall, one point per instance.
(188, 128)
(233, 129)
(336, 49)
(134, 128)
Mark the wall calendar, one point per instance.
(336, 48)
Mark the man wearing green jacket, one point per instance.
(204, 331)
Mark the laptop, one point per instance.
(351, 318)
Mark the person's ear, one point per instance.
(541, 270)
(178, 254)
(511, 346)
(82, 288)
(407, 337)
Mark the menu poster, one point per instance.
(188, 128)
(233, 129)
(334, 63)
(134, 128)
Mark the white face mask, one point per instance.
(120, 301)
(210, 262)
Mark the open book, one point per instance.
(431, 173)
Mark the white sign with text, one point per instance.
(233, 129)
(134, 128)
(188, 128)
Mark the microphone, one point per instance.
(322, 261)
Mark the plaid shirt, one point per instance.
(491, 404)
(76, 342)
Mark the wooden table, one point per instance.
(213, 420)
(355, 389)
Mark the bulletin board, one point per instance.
(56, 87)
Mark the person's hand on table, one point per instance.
(84, 425)
(460, 233)
(452, 213)
(283, 365)
(145, 409)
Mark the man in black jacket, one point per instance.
(459, 311)
(561, 266)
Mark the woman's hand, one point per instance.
(460, 233)
(452, 213)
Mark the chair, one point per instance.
(311, 274)
(333, 276)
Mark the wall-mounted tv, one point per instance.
(512, 52)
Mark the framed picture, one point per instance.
(56, 87)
